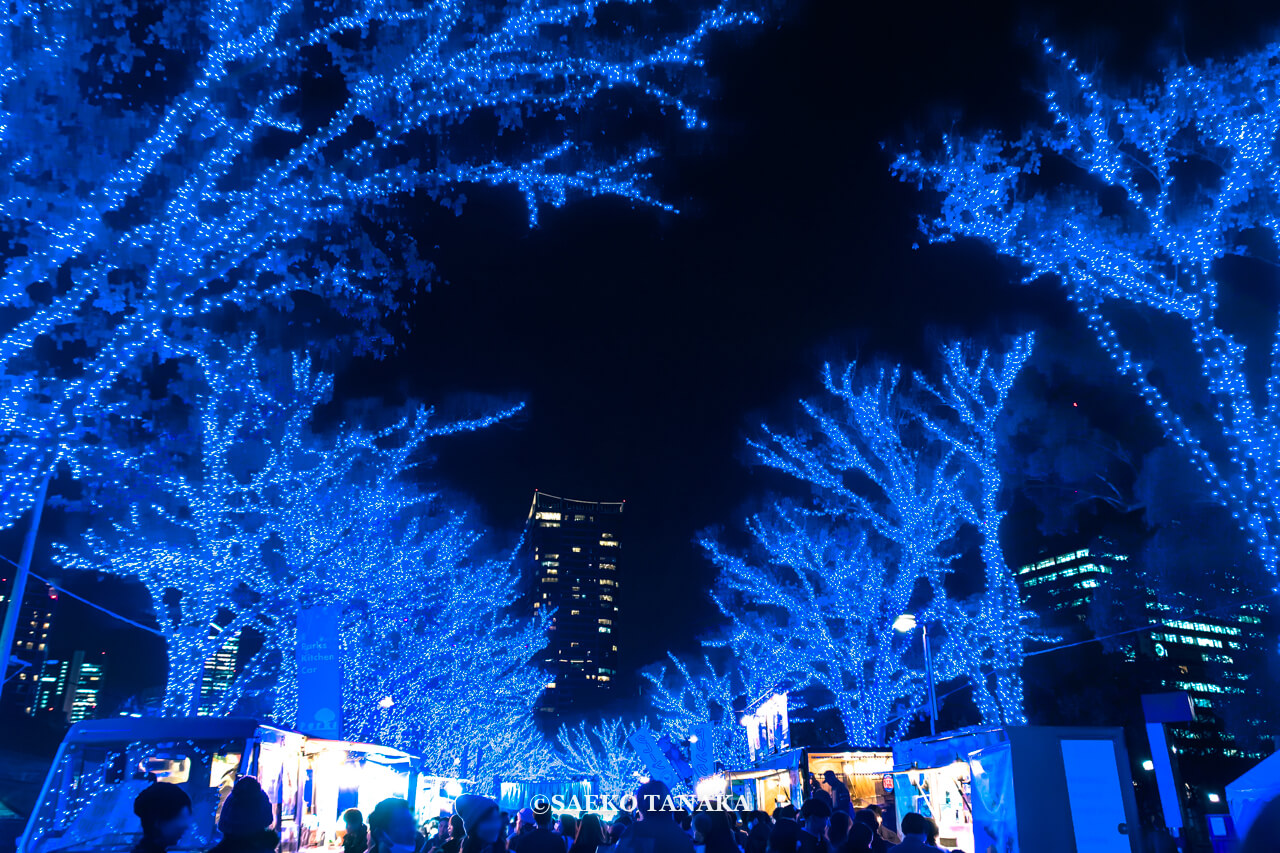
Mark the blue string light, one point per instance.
(142, 212)
(268, 518)
(1158, 253)
(894, 469)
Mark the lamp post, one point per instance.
(905, 624)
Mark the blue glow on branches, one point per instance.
(894, 468)
(602, 751)
(267, 518)
(1196, 180)
(136, 211)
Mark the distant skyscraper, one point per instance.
(575, 552)
(69, 688)
(219, 671)
(1063, 587)
(31, 640)
(1182, 641)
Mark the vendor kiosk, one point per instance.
(785, 779)
(1035, 789)
(86, 804)
(341, 775)
(780, 775)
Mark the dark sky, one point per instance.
(646, 345)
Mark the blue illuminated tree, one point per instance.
(964, 412)
(1155, 211)
(894, 469)
(251, 516)
(172, 168)
(687, 695)
(602, 751)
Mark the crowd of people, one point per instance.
(821, 825)
(477, 825)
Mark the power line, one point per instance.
(1163, 624)
(86, 601)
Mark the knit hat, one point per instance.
(247, 810)
(473, 809)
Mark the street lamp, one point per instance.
(905, 624)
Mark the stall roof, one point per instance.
(1248, 794)
(164, 729)
(944, 749)
(355, 746)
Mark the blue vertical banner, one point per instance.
(650, 754)
(702, 751)
(319, 672)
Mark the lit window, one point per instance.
(604, 630)
(577, 550)
(573, 613)
(609, 543)
(547, 515)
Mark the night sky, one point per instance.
(648, 345)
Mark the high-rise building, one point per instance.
(1062, 588)
(575, 551)
(1178, 638)
(69, 688)
(31, 639)
(219, 671)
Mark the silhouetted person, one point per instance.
(655, 831)
(785, 837)
(869, 819)
(541, 839)
(246, 820)
(839, 793)
(456, 834)
(392, 828)
(813, 818)
(165, 812)
(357, 838)
(480, 822)
(915, 835)
(591, 835)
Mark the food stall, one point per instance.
(780, 775)
(86, 802)
(932, 777)
(1038, 789)
(341, 775)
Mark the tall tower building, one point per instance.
(575, 551)
(219, 671)
(31, 640)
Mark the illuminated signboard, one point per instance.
(768, 731)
